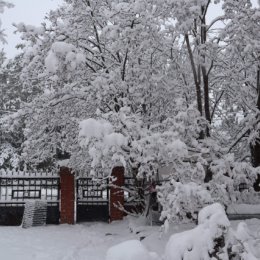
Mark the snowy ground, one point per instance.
(88, 241)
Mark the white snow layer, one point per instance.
(94, 128)
(243, 209)
(102, 130)
(130, 250)
(64, 53)
(114, 139)
(51, 62)
(178, 148)
(91, 241)
(62, 47)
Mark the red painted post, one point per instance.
(67, 197)
(117, 194)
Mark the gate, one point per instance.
(14, 192)
(92, 200)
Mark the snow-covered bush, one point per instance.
(130, 250)
(242, 244)
(182, 202)
(227, 175)
(205, 241)
(186, 192)
(211, 239)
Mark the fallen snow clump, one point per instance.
(130, 250)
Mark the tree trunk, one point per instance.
(205, 75)
(195, 76)
(196, 80)
(255, 147)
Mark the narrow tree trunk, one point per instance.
(195, 76)
(258, 87)
(204, 72)
(206, 98)
(255, 156)
(255, 147)
(205, 77)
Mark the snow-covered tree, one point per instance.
(145, 84)
(118, 62)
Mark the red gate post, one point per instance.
(117, 194)
(67, 196)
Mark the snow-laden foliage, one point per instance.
(213, 238)
(186, 193)
(9, 158)
(228, 175)
(181, 202)
(129, 142)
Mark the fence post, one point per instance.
(117, 194)
(67, 196)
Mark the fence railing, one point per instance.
(92, 191)
(18, 190)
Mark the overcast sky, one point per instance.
(27, 11)
(33, 12)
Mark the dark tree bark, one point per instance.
(255, 147)
(258, 87)
(205, 75)
(196, 80)
(195, 76)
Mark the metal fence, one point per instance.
(15, 191)
(92, 199)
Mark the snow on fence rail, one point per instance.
(21, 174)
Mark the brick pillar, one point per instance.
(66, 196)
(117, 194)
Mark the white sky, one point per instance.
(27, 11)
